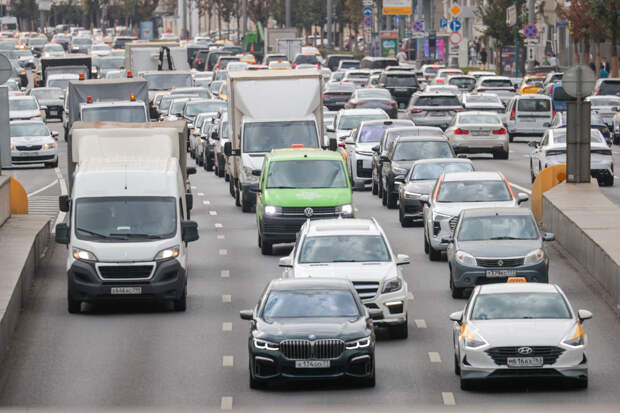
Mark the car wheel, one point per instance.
(180, 305)
(392, 200)
(582, 383)
(457, 367)
(456, 292)
(532, 176)
(467, 384)
(255, 383)
(433, 254)
(384, 195)
(400, 331)
(610, 181)
(511, 138)
(245, 205)
(237, 195)
(375, 188)
(231, 188)
(221, 172)
(616, 139)
(266, 247)
(379, 190)
(73, 306)
(371, 381)
(426, 245)
(404, 222)
(209, 164)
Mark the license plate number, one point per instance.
(126, 290)
(437, 114)
(479, 133)
(312, 364)
(524, 361)
(500, 273)
(402, 90)
(526, 120)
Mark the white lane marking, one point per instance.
(420, 323)
(201, 194)
(226, 298)
(38, 191)
(194, 187)
(225, 273)
(226, 326)
(448, 398)
(227, 402)
(63, 191)
(434, 357)
(223, 252)
(220, 236)
(218, 225)
(212, 212)
(228, 361)
(410, 296)
(520, 188)
(206, 202)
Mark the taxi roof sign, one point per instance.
(516, 280)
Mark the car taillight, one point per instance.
(554, 112)
(551, 90)
(458, 110)
(439, 80)
(512, 115)
(501, 131)
(217, 67)
(198, 61)
(460, 131)
(294, 64)
(598, 92)
(416, 110)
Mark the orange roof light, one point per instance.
(81, 76)
(129, 74)
(132, 97)
(297, 146)
(89, 99)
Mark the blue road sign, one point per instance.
(367, 11)
(396, 21)
(368, 21)
(530, 31)
(443, 22)
(455, 25)
(418, 26)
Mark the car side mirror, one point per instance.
(342, 144)
(546, 125)
(229, 151)
(64, 203)
(548, 236)
(462, 155)
(214, 136)
(333, 144)
(191, 170)
(384, 158)
(584, 315)
(376, 148)
(62, 234)
(246, 315)
(256, 172)
(375, 313)
(402, 259)
(447, 240)
(43, 107)
(532, 144)
(286, 262)
(457, 316)
(189, 231)
(522, 197)
(330, 128)
(425, 199)
(55, 134)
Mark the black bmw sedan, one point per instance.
(305, 329)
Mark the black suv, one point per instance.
(401, 84)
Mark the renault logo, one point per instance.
(308, 212)
(525, 350)
(500, 263)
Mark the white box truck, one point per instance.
(269, 110)
(143, 56)
(128, 229)
(272, 35)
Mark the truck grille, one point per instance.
(125, 272)
(305, 349)
(453, 221)
(549, 354)
(495, 262)
(366, 289)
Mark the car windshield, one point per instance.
(350, 122)
(510, 306)
(47, 94)
(357, 75)
(176, 107)
(373, 94)
(370, 134)
(22, 104)
(610, 87)
(415, 150)
(125, 218)
(29, 129)
(497, 227)
(192, 109)
(310, 304)
(306, 59)
(344, 248)
(163, 81)
(401, 80)
(534, 105)
(116, 113)
(306, 174)
(463, 82)
(497, 83)
(349, 65)
(81, 41)
(437, 101)
(473, 191)
(266, 136)
(476, 119)
(432, 171)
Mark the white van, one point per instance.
(528, 115)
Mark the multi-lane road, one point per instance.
(143, 355)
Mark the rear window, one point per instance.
(309, 58)
(560, 94)
(437, 101)
(497, 83)
(358, 75)
(401, 80)
(610, 87)
(462, 82)
(534, 105)
(349, 65)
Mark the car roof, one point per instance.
(360, 226)
(500, 288)
(533, 96)
(398, 72)
(401, 139)
(310, 284)
(499, 211)
(360, 112)
(413, 129)
(292, 154)
(386, 122)
(472, 176)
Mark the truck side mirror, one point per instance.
(189, 231)
(64, 203)
(256, 172)
(333, 144)
(62, 234)
(228, 150)
(189, 200)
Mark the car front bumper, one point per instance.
(393, 305)
(470, 276)
(412, 208)
(29, 157)
(283, 229)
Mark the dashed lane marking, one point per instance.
(420, 323)
(218, 225)
(227, 403)
(228, 361)
(225, 273)
(226, 326)
(194, 187)
(410, 296)
(226, 298)
(223, 252)
(220, 236)
(448, 398)
(201, 194)
(206, 202)
(212, 212)
(434, 357)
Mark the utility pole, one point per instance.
(288, 13)
(530, 47)
(330, 35)
(184, 18)
(244, 16)
(516, 30)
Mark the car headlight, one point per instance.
(399, 171)
(361, 343)
(272, 210)
(576, 338)
(392, 285)
(346, 209)
(49, 146)
(412, 195)
(437, 216)
(83, 255)
(534, 257)
(465, 258)
(247, 175)
(167, 254)
(471, 339)
(265, 345)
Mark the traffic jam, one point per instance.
(297, 140)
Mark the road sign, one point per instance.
(578, 81)
(511, 15)
(443, 22)
(530, 31)
(396, 21)
(418, 26)
(455, 38)
(368, 21)
(5, 69)
(397, 7)
(367, 11)
(455, 25)
(455, 10)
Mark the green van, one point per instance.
(296, 185)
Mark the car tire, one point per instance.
(433, 254)
(55, 164)
(404, 222)
(375, 188)
(582, 383)
(384, 195)
(231, 188)
(427, 246)
(616, 139)
(371, 381)
(511, 137)
(221, 172)
(532, 176)
(379, 190)
(255, 383)
(180, 305)
(237, 194)
(266, 247)
(401, 331)
(609, 181)
(209, 164)
(455, 292)
(457, 367)
(245, 205)
(392, 200)
(73, 306)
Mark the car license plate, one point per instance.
(437, 114)
(312, 364)
(500, 273)
(126, 290)
(401, 90)
(525, 361)
(479, 133)
(527, 120)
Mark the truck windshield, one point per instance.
(265, 136)
(125, 218)
(114, 114)
(162, 81)
(306, 174)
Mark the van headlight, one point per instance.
(465, 258)
(83, 255)
(346, 209)
(534, 257)
(167, 254)
(361, 343)
(392, 285)
(272, 210)
(247, 175)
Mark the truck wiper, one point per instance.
(282, 187)
(344, 261)
(134, 235)
(495, 238)
(93, 233)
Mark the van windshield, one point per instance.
(125, 218)
(306, 174)
(265, 136)
(114, 114)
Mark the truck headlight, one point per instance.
(412, 195)
(83, 255)
(361, 343)
(392, 285)
(534, 257)
(265, 345)
(247, 175)
(437, 216)
(167, 254)
(465, 258)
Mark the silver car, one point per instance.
(25, 108)
(32, 143)
(433, 109)
(478, 132)
(515, 331)
(487, 102)
(605, 106)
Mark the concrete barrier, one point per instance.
(587, 225)
(5, 199)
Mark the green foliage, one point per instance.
(68, 11)
(25, 9)
(494, 18)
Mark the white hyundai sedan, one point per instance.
(519, 330)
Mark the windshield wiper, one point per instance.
(495, 238)
(281, 187)
(93, 233)
(343, 261)
(134, 235)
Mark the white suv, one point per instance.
(357, 250)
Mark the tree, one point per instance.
(26, 11)
(259, 10)
(608, 13)
(66, 12)
(583, 25)
(493, 17)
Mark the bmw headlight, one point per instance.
(361, 343)
(576, 338)
(392, 285)
(167, 254)
(265, 345)
(472, 339)
(83, 255)
(534, 257)
(272, 210)
(465, 258)
(346, 209)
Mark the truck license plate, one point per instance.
(524, 361)
(500, 273)
(312, 364)
(126, 290)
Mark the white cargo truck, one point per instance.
(128, 226)
(290, 47)
(293, 116)
(143, 56)
(272, 35)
